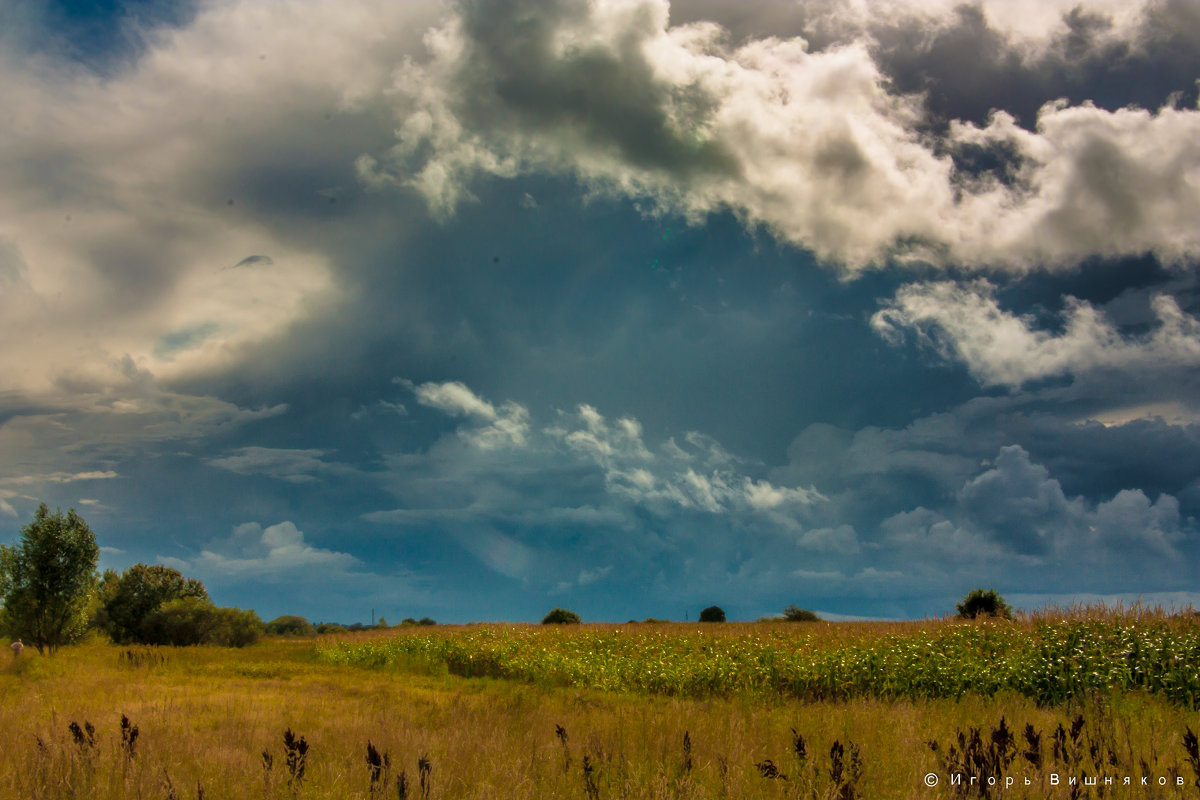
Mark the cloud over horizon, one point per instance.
(843, 303)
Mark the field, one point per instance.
(765, 710)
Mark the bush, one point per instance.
(290, 625)
(712, 614)
(794, 613)
(181, 623)
(988, 603)
(191, 621)
(560, 616)
(130, 598)
(236, 628)
(331, 627)
(428, 621)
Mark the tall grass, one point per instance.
(280, 720)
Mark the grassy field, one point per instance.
(525, 712)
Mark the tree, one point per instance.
(290, 625)
(48, 579)
(561, 616)
(794, 613)
(988, 603)
(129, 599)
(712, 614)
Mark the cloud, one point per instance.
(455, 399)
(277, 553)
(1016, 512)
(812, 144)
(509, 499)
(842, 539)
(506, 427)
(125, 211)
(60, 477)
(699, 475)
(83, 427)
(965, 323)
(293, 466)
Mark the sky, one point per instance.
(474, 309)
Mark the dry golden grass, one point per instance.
(205, 716)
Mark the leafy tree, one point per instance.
(331, 627)
(712, 614)
(561, 616)
(48, 579)
(794, 613)
(987, 603)
(429, 621)
(129, 599)
(290, 625)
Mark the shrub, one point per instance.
(130, 598)
(428, 621)
(560, 616)
(794, 613)
(190, 621)
(236, 628)
(331, 627)
(712, 614)
(987, 603)
(183, 622)
(290, 625)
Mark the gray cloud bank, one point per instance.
(846, 518)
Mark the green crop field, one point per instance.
(1049, 662)
(761, 710)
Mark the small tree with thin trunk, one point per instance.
(794, 613)
(561, 616)
(983, 603)
(49, 579)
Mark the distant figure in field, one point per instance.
(17, 647)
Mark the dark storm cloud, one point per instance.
(968, 59)
(1031, 447)
(519, 74)
(966, 68)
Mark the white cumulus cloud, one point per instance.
(964, 322)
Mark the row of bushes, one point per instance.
(979, 603)
(561, 616)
